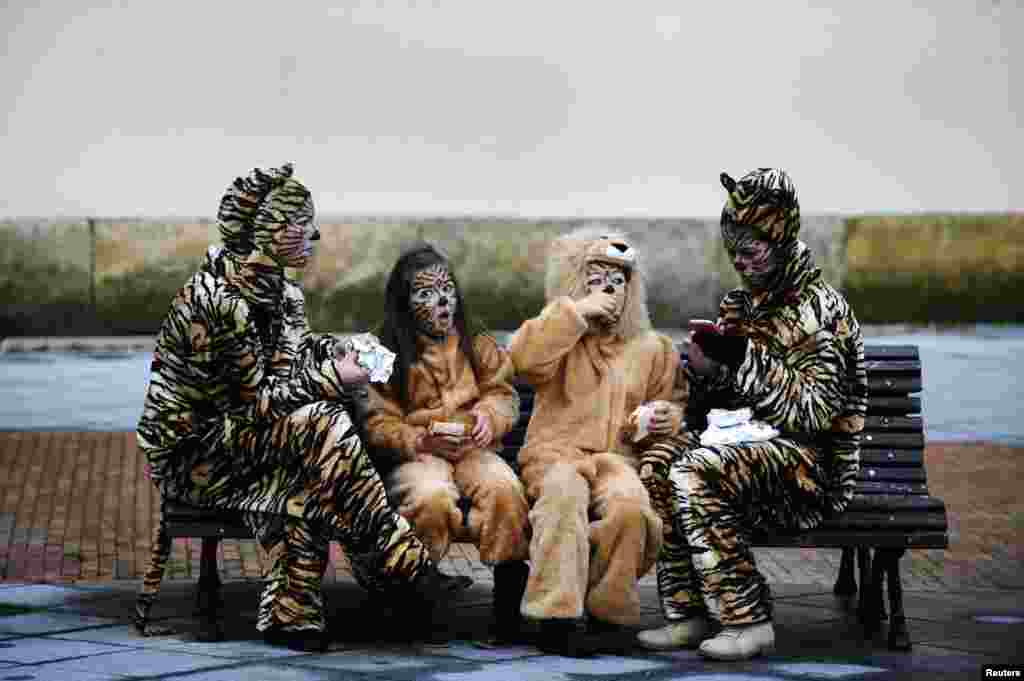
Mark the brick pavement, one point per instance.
(76, 507)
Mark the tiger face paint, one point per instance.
(433, 302)
(755, 260)
(608, 279)
(292, 245)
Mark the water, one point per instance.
(97, 391)
(973, 386)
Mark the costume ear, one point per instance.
(727, 182)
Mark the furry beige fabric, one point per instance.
(426, 488)
(594, 530)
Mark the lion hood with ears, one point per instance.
(566, 272)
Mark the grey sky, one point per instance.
(535, 108)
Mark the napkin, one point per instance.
(372, 356)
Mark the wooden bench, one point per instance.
(890, 512)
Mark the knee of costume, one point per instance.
(560, 546)
(498, 516)
(428, 501)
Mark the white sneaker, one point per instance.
(740, 643)
(682, 634)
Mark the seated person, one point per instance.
(788, 347)
(244, 411)
(593, 359)
(445, 374)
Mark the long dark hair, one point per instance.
(398, 332)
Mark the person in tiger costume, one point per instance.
(451, 487)
(245, 410)
(592, 358)
(787, 345)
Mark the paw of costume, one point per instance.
(800, 367)
(427, 488)
(594, 531)
(245, 410)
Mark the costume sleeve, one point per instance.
(661, 384)
(498, 398)
(799, 392)
(386, 428)
(847, 428)
(232, 343)
(541, 344)
(681, 385)
(297, 345)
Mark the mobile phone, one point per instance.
(703, 326)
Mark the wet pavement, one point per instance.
(67, 633)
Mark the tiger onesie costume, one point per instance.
(794, 353)
(444, 372)
(245, 410)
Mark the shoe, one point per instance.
(686, 633)
(428, 589)
(509, 586)
(210, 630)
(303, 640)
(455, 583)
(740, 643)
(568, 638)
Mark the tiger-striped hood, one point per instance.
(568, 256)
(256, 209)
(765, 200)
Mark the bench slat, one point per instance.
(895, 502)
(891, 457)
(894, 405)
(890, 487)
(881, 520)
(895, 352)
(887, 424)
(827, 539)
(893, 440)
(893, 385)
(889, 367)
(891, 474)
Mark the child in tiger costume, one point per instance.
(787, 346)
(593, 359)
(451, 487)
(244, 411)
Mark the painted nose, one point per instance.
(443, 302)
(609, 289)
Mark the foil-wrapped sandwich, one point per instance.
(371, 355)
(639, 422)
(457, 424)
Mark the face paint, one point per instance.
(755, 260)
(611, 280)
(432, 298)
(293, 245)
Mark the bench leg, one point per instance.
(899, 638)
(867, 602)
(208, 598)
(878, 567)
(510, 580)
(846, 583)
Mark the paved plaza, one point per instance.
(77, 514)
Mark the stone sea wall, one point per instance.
(117, 276)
